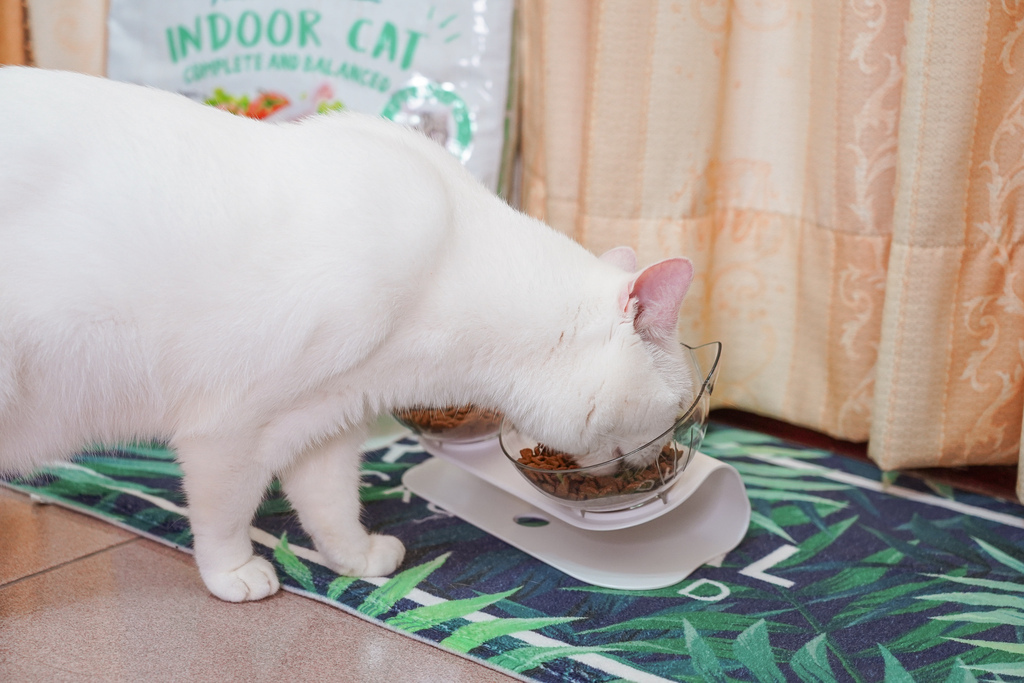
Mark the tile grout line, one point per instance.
(72, 561)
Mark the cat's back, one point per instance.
(49, 119)
(67, 131)
(67, 105)
(130, 175)
(75, 140)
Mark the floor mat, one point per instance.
(846, 574)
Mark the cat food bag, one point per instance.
(442, 67)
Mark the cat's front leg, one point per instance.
(323, 486)
(224, 484)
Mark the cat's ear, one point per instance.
(621, 257)
(659, 290)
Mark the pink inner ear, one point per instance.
(659, 290)
(621, 257)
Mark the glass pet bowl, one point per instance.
(454, 424)
(629, 480)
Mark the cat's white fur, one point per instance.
(255, 294)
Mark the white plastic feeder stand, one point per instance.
(700, 518)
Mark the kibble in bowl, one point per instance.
(632, 479)
(454, 424)
(617, 484)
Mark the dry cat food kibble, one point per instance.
(564, 483)
(458, 422)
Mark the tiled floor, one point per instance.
(83, 600)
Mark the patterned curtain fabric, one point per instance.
(846, 177)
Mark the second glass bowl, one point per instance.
(455, 424)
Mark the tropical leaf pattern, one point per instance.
(870, 578)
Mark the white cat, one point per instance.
(256, 293)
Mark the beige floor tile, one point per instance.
(36, 537)
(140, 612)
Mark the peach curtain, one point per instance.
(13, 48)
(846, 177)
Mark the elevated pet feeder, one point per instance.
(691, 513)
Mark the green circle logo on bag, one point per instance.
(435, 110)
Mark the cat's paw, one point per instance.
(254, 580)
(384, 555)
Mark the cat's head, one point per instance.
(618, 377)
